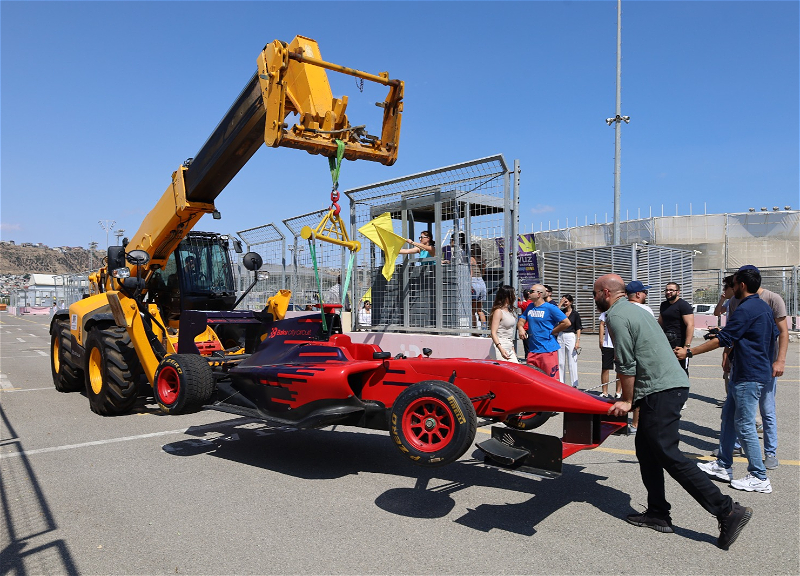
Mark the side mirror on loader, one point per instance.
(253, 262)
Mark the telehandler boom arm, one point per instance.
(290, 79)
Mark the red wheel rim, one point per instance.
(428, 424)
(169, 385)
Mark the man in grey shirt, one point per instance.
(653, 380)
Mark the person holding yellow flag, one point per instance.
(425, 247)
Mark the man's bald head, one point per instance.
(607, 290)
(537, 294)
(613, 282)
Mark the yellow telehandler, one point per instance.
(167, 294)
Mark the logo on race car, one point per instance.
(296, 332)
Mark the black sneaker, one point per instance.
(732, 524)
(648, 521)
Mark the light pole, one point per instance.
(108, 226)
(119, 233)
(92, 248)
(616, 121)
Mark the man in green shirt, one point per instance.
(653, 380)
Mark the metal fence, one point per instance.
(270, 243)
(66, 289)
(719, 241)
(575, 271)
(470, 211)
(783, 280)
(331, 263)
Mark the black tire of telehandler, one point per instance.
(112, 371)
(66, 378)
(433, 423)
(183, 383)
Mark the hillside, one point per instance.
(44, 260)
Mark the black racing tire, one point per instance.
(112, 371)
(528, 420)
(433, 423)
(183, 383)
(66, 377)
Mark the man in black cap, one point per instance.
(655, 382)
(637, 293)
(751, 333)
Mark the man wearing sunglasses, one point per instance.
(655, 383)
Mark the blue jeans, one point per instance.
(739, 419)
(767, 407)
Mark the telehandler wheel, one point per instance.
(184, 382)
(433, 423)
(112, 381)
(66, 377)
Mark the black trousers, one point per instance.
(657, 450)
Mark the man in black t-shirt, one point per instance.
(677, 320)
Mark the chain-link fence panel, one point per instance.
(331, 265)
(270, 243)
(468, 211)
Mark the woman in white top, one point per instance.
(502, 323)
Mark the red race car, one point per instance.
(302, 376)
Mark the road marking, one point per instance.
(20, 340)
(95, 443)
(27, 389)
(4, 383)
(34, 335)
(41, 353)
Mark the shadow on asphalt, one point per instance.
(26, 516)
(330, 454)
(705, 438)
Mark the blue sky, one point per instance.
(101, 101)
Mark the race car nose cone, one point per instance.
(430, 423)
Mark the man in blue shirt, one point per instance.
(544, 320)
(751, 333)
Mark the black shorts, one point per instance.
(608, 358)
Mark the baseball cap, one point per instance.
(749, 267)
(636, 286)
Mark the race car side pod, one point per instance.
(543, 455)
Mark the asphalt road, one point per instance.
(207, 493)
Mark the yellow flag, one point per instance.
(367, 295)
(383, 221)
(380, 231)
(391, 244)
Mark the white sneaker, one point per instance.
(751, 483)
(714, 470)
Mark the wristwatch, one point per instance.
(689, 352)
